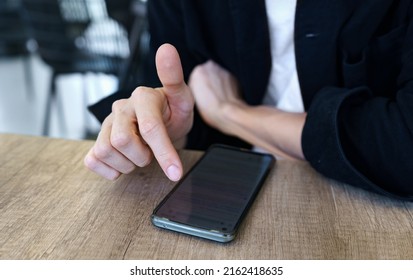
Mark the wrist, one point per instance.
(232, 114)
(276, 131)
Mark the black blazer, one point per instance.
(355, 68)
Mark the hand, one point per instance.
(218, 99)
(146, 124)
(215, 90)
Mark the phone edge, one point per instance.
(192, 231)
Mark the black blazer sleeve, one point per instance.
(363, 135)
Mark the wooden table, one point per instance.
(52, 207)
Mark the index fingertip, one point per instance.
(174, 173)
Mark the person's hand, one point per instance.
(146, 124)
(215, 91)
(218, 99)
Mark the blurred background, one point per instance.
(59, 56)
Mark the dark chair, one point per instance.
(76, 36)
(15, 36)
(131, 75)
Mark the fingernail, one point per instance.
(173, 173)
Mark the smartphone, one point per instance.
(211, 200)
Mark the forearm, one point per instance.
(274, 130)
(218, 99)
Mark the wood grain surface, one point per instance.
(52, 207)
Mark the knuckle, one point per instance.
(91, 162)
(142, 95)
(119, 105)
(102, 151)
(149, 127)
(121, 140)
(165, 156)
(138, 92)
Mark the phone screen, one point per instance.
(216, 193)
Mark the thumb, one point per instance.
(169, 68)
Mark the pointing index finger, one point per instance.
(148, 110)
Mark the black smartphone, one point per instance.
(216, 193)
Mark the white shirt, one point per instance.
(283, 90)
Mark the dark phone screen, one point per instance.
(217, 191)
